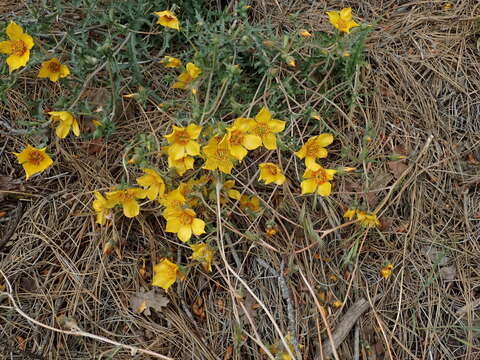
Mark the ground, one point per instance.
(407, 119)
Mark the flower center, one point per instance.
(272, 170)
(186, 219)
(168, 17)
(126, 196)
(320, 176)
(182, 137)
(261, 129)
(54, 67)
(313, 149)
(221, 154)
(35, 157)
(19, 48)
(342, 24)
(236, 137)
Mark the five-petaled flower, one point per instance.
(270, 172)
(266, 127)
(33, 160)
(171, 62)
(314, 149)
(67, 123)
(240, 140)
(218, 155)
(204, 254)
(367, 219)
(168, 19)
(102, 207)
(184, 223)
(53, 70)
(164, 274)
(191, 72)
(18, 47)
(153, 182)
(386, 271)
(128, 199)
(342, 20)
(251, 203)
(183, 142)
(318, 181)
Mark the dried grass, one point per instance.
(424, 76)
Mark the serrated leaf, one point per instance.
(142, 302)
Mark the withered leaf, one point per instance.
(397, 168)
(142, 302)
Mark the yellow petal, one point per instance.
(238, 152)
(193, 148)
(62, 130)
(184, 233)
(302, 152)
(131, 208)
(75, 128)
(308, 186)
(198, 226)
(6, 47)
(311, 164)
(270, 141)
(324, 189)
(14, 31)
(173, 224)
(14, 62)
(251, 141)
(324, 139)
(225, 167)
(276, 125)
(234, 194)
(334, 17)
(164, 274)
(346, 14)
(193, 130)
(263, 115)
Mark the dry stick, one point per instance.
(243, 282)
(324, 319)
(346, 324)
(77, 332)
(288, 298)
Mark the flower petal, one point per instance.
(308, 186)
(173, 225)
(324, 139)
(193, 148)
(6, 47)
(324, 189)
(270, 141)
(276, 125)
(14, 31)
(184, 233)
(238, 152)
(346, 14)
(131, 208)
(251, 141)
(198, 226)
(62, 129)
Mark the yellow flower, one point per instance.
(342, 20)
(314, 149)
(173, 202)
(251, 203)
(67, 123)
(102, 207)
(271, 231)
(305, 33)
(181, 165)
(367, 219)
(204, 254)
(185, 78)
(184, 222)
(239, 139)
(269, 172)
(349, 214)
(153, 181)
(231, 193)
(164, 274)
(171, 62)
(127, 198)
(318, 180)
(183, 142)
(386, 271)
(53, 70)
(18, 47)
(218, 155)
(266, 127)
(33, 160)
(168, 19)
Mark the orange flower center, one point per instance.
(19, 48)
(313, 149)
(35, 157)
(272, 170)
(182, 137)
(261, 129)
(342, 24)
(168, 18)
(54, 66)
(320, 176)
(221, 154)
(186, 219)
(126, 196)
(236, 137)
